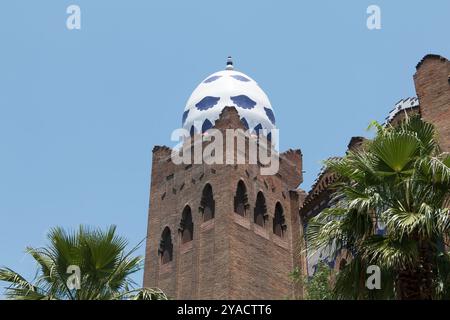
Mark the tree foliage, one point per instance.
(401, 180)
(105, 269)
(318, 286)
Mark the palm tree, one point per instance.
(104, 269)
(402, 180)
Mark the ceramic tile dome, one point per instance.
(228, 88)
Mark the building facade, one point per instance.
(432, 83)
(227, 231)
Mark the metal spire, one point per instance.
(229, 64)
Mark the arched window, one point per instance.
(166, 246)
(342, 264)
(206, 125)
(185, 115)
(207, 204)
(258, 129)
(245, 123)
(240, 199)
(260, 210)
(186, 225)
(279, 223)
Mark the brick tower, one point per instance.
(432, 81)
(225, 231)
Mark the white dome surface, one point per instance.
(228, 88)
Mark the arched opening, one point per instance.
(241, 199)
(207, 204)
(244, 123)
(185, 115)
(260, 210)
(186, 225)
(166, 246)
(342, 264)
(206, 125)
(258, 129)
(279, 223)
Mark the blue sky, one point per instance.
(81, 110)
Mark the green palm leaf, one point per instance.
(396, 152)
(401, 180)
(101, 256)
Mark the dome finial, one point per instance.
(229, 64)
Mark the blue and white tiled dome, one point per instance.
(228, 88)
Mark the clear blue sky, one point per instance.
(81, 110)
